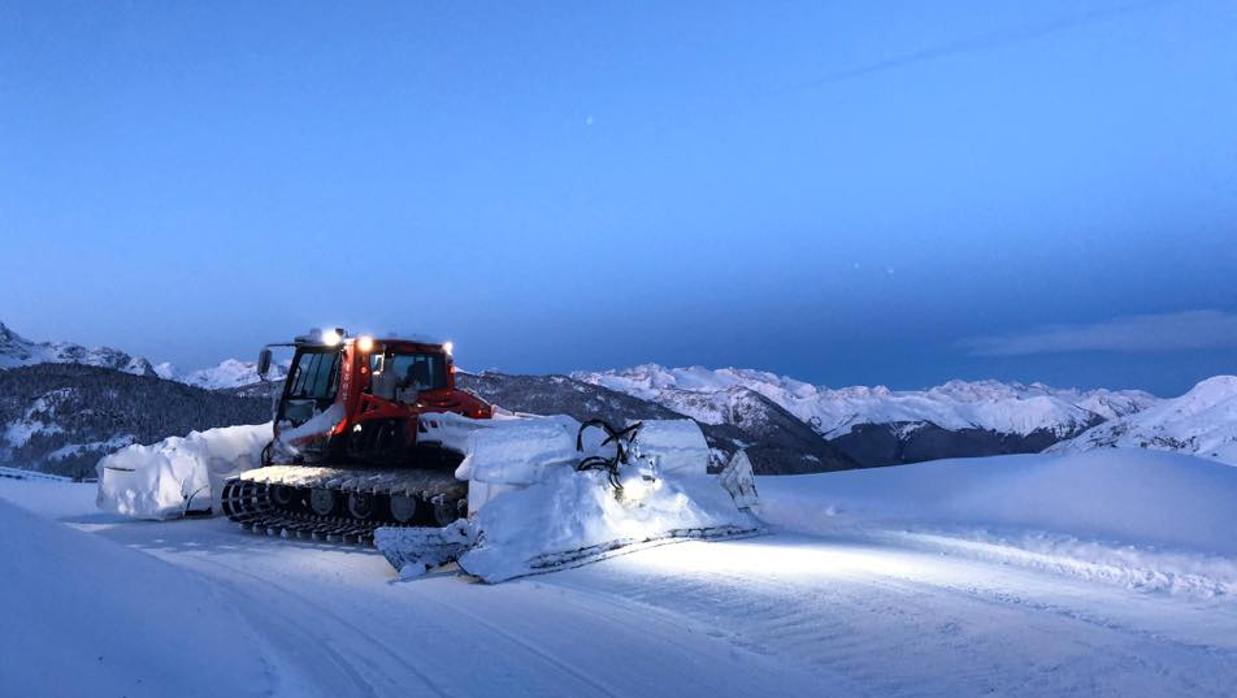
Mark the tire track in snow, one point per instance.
(527, 646)
(317, 610)
(273, 578)
(918, 623)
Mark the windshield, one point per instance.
(415, 370)
(314, 375)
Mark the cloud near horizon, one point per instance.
(1191, 329)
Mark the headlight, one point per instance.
(637, 486)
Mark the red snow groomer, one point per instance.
(349, 454)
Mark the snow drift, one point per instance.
(1147, 519)
(179, 474)
(1203, 422)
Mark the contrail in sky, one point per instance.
(983, 42)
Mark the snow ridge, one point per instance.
(1009, 408)
(231, 373)
(1202, 422)
(16, 351)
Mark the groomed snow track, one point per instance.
(594, 553)
(277, 501)
(837, 599)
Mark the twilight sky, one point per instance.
(845, 192)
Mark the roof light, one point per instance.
(448, 347)
(365, 343)
(332, 337)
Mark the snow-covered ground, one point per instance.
(1007, 408)
(1110, 573)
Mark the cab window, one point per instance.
(417, 371)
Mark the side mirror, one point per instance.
(264, 363)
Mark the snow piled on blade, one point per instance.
(516, 451)
(679, 445)
(531, 511)
(179, 474)
(573, 518)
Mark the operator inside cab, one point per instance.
(401, 376)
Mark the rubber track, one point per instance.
(248, 503)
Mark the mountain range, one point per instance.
(878, 426)
(16, 351)
(1203, 422)
(62, 417)
(786, 425)
(776, 441)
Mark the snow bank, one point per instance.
(1143, 516)
(179, 474)
(1125, 495)
(83, 616)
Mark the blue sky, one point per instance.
(846, 192)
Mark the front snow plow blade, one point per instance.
(413, 551)
(622, 491)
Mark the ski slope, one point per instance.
(947, 578)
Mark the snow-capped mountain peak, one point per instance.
(1008, 408)
(231, 373)
(1202, 422)
(16, 350)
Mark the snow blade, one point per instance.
(569, 520)
(415, 551)
(536, 512)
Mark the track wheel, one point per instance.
(403, 508)
(446, 511)
(322, 502)
(282, 495)
(361, 505)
